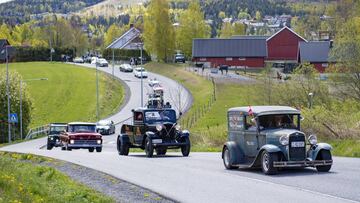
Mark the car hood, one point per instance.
(280, 132)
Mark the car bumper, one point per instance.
(84, 145)
(55, 141)
(307, 163)
(169, 144)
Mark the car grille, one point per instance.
(297, 153)
(168, 132)
(91, 142)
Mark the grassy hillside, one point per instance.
(22, 180)
(69, 94)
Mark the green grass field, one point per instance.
(210, 131)
(69, 94)
(22, 179)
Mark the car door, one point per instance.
(138, 128)
(250, 138)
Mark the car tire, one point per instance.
(161, 151)
(91, 149)
(267, 162)
(324, 155)
(227, 158)
(98, 149)
(149, 149)
(123, 148)
(185, 150)
(49, 146)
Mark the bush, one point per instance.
(26, 54)
(14, 89)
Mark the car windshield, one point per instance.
(82, 128)
(57, 129)
(156, 116)
(140, 69)
(103, 122)
(288, 121)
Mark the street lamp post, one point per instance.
(142, 85)
(311, 97)
(8, 92)
(97, 91)
(21, 116)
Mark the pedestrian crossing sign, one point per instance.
(13, 118)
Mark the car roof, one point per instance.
(145, 109)
(81, 123)
(58, 124)
(265, 110)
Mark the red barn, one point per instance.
(315, 53)
(250, 52)
(283, 46)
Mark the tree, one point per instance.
(258, 16)
(81, 42)
(192, 25)
(226, 30)
(159, 34)
(222, 15)
(239, 29)
(14, 81)
(113, 32)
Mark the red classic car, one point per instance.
(81, 135)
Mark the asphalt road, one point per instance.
(201, 177)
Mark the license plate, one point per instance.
(156, 141)
(297, 144)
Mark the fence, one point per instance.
(36, 132)
(200, 110)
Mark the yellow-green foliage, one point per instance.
(22, 181)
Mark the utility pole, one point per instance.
(113, 62)
(97, 91)
(142, 86)
(8, 92)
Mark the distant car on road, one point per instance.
(53, 134)
(153, 82)
(126, 68)
(153, 129)
(180, 58)
(94, 60)
(78, 60)
(270, 137)
(105, 127)
(81, 135)
(101, 62)
(140, 72)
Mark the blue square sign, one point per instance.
(13, 118)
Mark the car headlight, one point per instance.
(51, 138)
(284, 140)
(312, 139)
(98, 141)
(72, 141)
(159, 127)
(178, 127)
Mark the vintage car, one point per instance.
(140, 72)
(153, 82)
(126, 68)
(153, 129)
(270, 137)
(53, 139)
(81, 135)
(105, 127)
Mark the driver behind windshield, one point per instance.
(277, 121)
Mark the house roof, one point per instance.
(4, 42)
(286, 28)
(216, 47)
(125, 39)
(262, 110)
(249, 37)
(314, 51)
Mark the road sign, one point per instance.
(52, 50)
(13, 118)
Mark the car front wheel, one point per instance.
(267, 162)
(123, 148)
(185, 150)
(227, 159)
(324, 155)
(149, 149)
(91, 149)
(49, 146)
(98, 149)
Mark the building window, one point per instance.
(325, 65)
(242, 59)
(229, 59)
(202, 59)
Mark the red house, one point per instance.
(316, 53)
(283, 46)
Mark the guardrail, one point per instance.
(35, 132)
